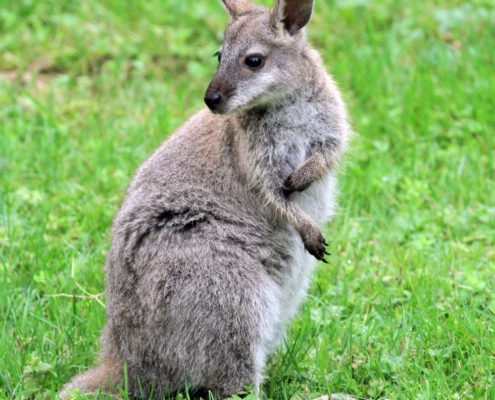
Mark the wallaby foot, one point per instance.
(107, 377)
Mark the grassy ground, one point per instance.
(405, 310)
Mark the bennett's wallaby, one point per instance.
(212, 247)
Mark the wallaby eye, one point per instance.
(254, 61)
(219, 55)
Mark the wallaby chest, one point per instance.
(281, 139)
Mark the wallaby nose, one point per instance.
(212, 100)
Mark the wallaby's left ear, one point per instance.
(237, 8)
(294, 14)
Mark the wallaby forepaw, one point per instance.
(296, 182)
(318, 250)
(316, 246)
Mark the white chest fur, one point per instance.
(318, 201)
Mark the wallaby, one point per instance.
(213, 245)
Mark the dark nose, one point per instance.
(212, 100)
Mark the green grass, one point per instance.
(406, 308)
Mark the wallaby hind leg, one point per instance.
(107, 377)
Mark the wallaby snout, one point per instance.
(218, 94)
(212, 99)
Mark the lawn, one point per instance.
(406, 307)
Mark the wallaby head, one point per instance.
(262, 58)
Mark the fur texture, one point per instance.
(214, 244)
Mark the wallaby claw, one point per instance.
(317, 250)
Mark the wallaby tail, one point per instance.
(107, 377)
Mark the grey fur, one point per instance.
(208, 260)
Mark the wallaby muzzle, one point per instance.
(218, 94)
(212, 99)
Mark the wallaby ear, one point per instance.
(294, 14)
(236, 8)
